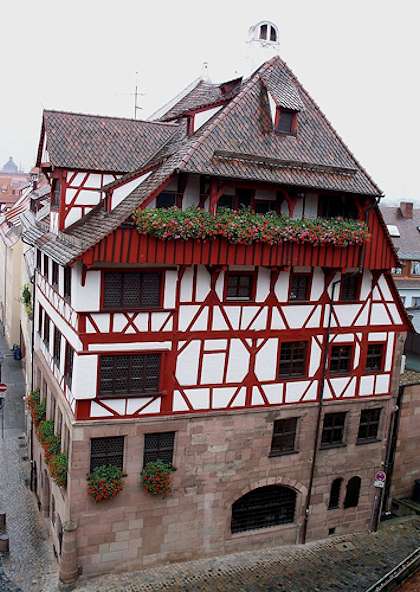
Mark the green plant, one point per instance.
(27, 299)
(156, 477)
(58, 468)
(105, 482)
(37, 407)
(46, 430)
(246, 227)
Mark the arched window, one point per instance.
(352, 492)
(263, 507)
(335, 494)
(263, 32)
(273, 34)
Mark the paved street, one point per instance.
(30, 564)
(341, 564)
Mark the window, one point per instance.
(54, 279)
(263, 507)
(53, 406)
(284, 436)
(68, 365)
(352, 492)
(300, 285)
(350, 287)
(130, 375)
(369, 425)
(57, 347)
(45, 267)
(396, 270)
(55, 197)
(341, 356)
(415, 301)
(285, 121)
(338, 206)
(375, 357)
(333, 429)
(273, 34)
(58, 424)
(107, 451)
(67, 283)
(40, 313)
(243, 198)
(239, 286)
(66, 440)
(46, 332)
(132, 289)
(263, 32)
(415, 268)
(38, 260)
(334, 502)
(166, 199)
(159, 446)
(293, 359)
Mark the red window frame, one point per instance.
(308, 277)
(349, 370)
(123, 395)
(358, 286)
(105, 308)
(253, 284)
(304, 374)
(380, 369)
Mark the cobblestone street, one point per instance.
(341, 564)
(30, 565)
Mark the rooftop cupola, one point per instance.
(262, 44)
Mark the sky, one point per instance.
(357, 58)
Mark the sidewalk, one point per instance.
(30, 565)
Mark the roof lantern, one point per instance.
(265, 34)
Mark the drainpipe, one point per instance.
(325, 363)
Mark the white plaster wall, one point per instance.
(87, 297)
(204, 116)
(121, 192)
(85, 370)
(311, 205)
(192, 192)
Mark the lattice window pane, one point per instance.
(131, 374)
(264, 507)
(340, 358)
(107, 451)
(333, 429)
(375, 354)
(150, 290)
(284, 435)
(293, 358)
(350, 287)
(159, 446)
(369, 424)
(299, 287)
(113, 289)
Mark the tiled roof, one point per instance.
(237, 142)
(97, 143)
(408, 243)
(203, 94)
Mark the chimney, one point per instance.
(406, 209)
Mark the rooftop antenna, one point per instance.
(137, 94)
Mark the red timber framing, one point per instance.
(252, 340)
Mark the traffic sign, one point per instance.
(3, 388)
(380, 478)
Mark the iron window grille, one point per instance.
(299, 287)
(134, 374)
(374, 357)
(68, 364)
(333, 429)
(335, 491)
(57, 347)
(293, 356)
(132, 289)
(107, 451)
(352, 493)
(341, 356)
(350, 287)
(369, 425)
(239, 286)
(284, 436)
(159, 446)
(263, 508)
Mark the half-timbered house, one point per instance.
(262, 369)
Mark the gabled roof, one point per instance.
(98, 143)
(237, 142)
(408, 243)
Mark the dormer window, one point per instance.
(263, 32)
(267, 33)
(286, 121)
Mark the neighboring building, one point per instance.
(12, 183)
(266, 373)
(403, 224)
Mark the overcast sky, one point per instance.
(359, 59)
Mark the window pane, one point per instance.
(264, 507)
(299, 287)
(284, 435)
(285, 123)
(130, 290)
(369, 424)
(375, 354)
(239, 286)
(293, 358)
(159, 446)
(166, 199)
(106, 451)
(341, 358)
(333, 428)
(350, 287)
(130, 374)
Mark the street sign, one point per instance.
(3, 388)
(380, 478)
